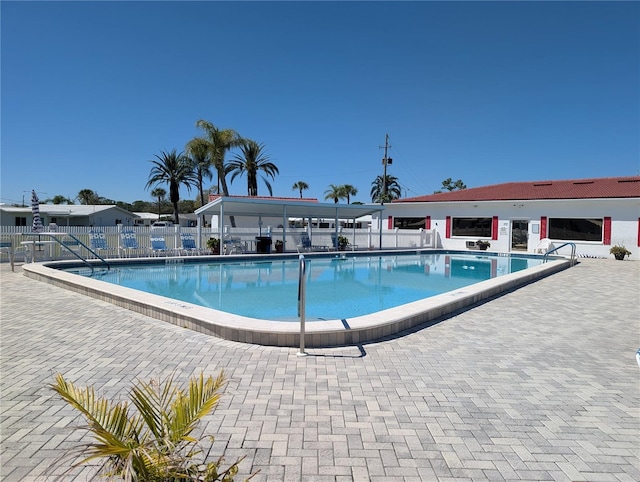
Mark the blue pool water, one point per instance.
(337, 288)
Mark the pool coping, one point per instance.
(237, 328)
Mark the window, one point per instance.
(575, 229)
(471, 227)
(409, 223)
(20, 221)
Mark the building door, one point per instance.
(519, 234)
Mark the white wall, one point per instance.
(624, 215)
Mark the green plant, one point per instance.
(619, 252)
(153, 441)
(279, 243)
(214, 245)
(343, 242)
(483, 244)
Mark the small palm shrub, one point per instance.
(149, 439)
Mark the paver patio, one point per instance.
(539, 384)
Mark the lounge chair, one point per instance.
(233, 246)
(159, 246)
(130, 244)
(189, 244)
(305, 244)
(98, 243)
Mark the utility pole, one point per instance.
(385, 160)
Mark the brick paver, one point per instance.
(539, 384)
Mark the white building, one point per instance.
(595, 214)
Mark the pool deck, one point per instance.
(539, 384)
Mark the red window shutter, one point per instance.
(607, 231)
(447, 233)
(427, 222)
(390, 222)
(543, 227)
(494, 228)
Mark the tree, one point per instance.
(175, 170)
(450, 185)
(347, 191)
(198, 151)
(250, 161)
(159, 193)
(87, 197)
(385, 189)
(334, 192)
(58, 199)
(300, 186)
(219, 141)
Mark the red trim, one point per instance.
(543, 227)
(447, 229)
(390, 222)
(607, 231)
(427, 222)
(494, 228)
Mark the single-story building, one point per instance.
(68, 215)
(595, 214)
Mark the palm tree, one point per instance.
(87, 196)
(159, 193)
(219, 142)
(153, 441)
(334, 192)
(175, 170)
(385, 189)
(198, 151)
(300, 186)
(251, 160)
(347, 191)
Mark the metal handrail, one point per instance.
(572, 260)
(54, 236)
(302, 295)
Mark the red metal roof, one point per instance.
(607, 187)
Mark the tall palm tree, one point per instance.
(174, 169)
(334, 192)
(159, 193)
(219, 142)
(385, 189)
(251, 160)
(347, 191)
(198, 151)
(300, 186)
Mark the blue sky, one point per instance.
(486, 92)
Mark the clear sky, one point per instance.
(486, 92)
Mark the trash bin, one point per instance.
(263, 244)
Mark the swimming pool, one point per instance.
(340, 287)
(327, 329)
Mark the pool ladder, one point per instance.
(54, 236)
(572, 260)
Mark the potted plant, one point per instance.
(214, 245)
(619, 252)
(279, 246)
(343, 242)
(483, 245)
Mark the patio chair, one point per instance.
(233, 246)
(159, 246)
(130, 244)
(305, 244)
(189, 244)
(544, 245)
(98, 243)
(6, 246)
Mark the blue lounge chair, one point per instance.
(159, 246)
(98, 243)
(129, 242)
(189, 244)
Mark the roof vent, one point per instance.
(628, 180)
(543, 184)
(583, 182)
